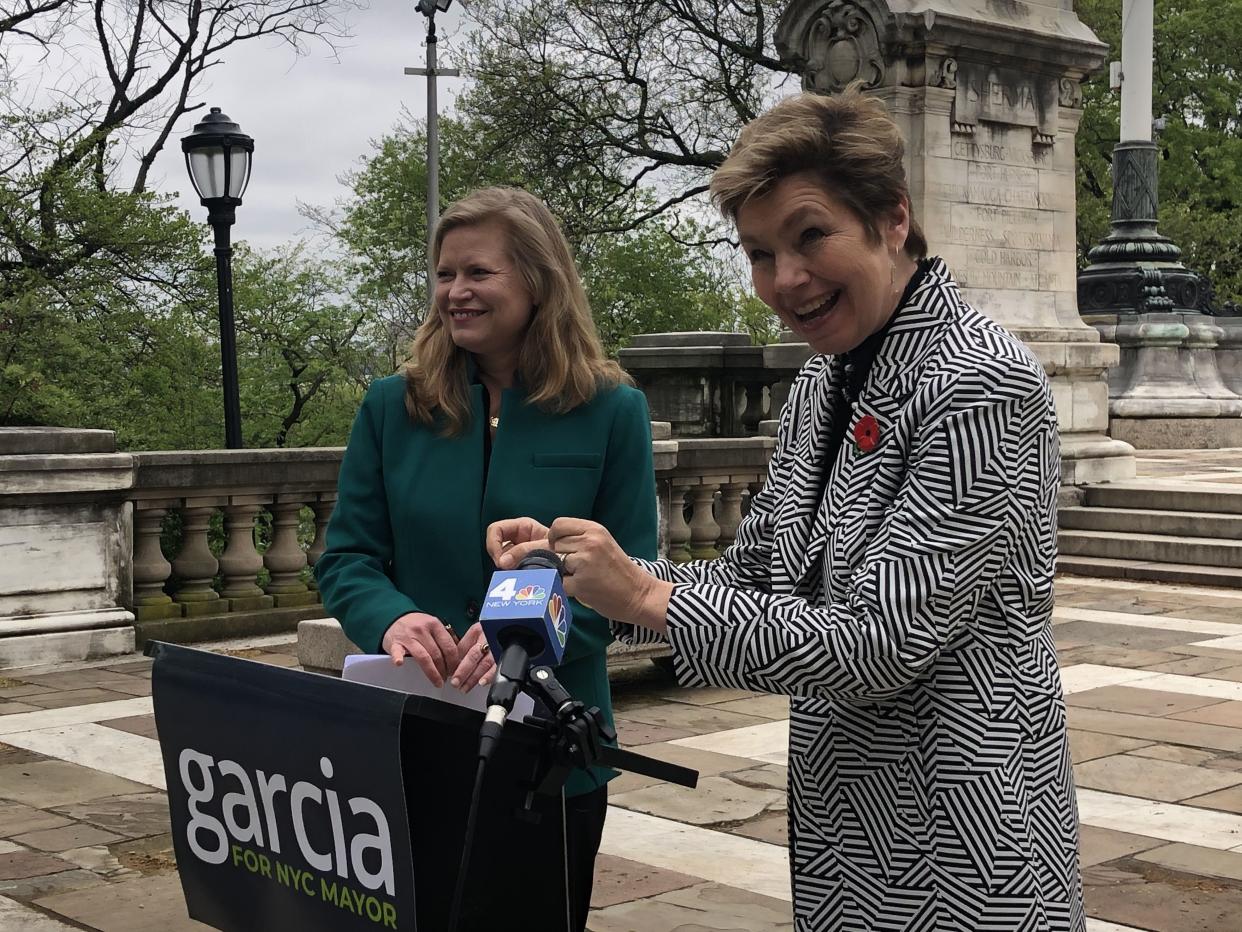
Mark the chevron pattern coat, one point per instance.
(905, 609)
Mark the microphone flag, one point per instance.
(530, 599)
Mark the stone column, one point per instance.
(241, 561)
(285, 559)
(988, 100)
(323, 513)
(678, 528)
(150, 568)
(196, 566)
(704, 531)
(731, 508)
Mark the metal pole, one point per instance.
(1137, 39)
(431, 72)
(433, 157)
(220, 222)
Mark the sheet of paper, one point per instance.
(379, 670)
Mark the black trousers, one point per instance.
(584, 826)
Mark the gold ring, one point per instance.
(484, 650)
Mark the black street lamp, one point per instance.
(217, 155)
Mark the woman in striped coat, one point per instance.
(894, 577)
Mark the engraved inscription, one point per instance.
(985, 277)
(994, 152)
(1002, 185)
(1005, 95)
(1014, 228)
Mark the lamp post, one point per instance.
(429, 8)
(1136, 270)
(217, 156)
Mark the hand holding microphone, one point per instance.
(597, 571)
(525, 618)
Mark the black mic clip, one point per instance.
(577, 735)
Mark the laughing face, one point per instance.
(480, 295)
(813, 263)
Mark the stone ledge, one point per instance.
(323, 647)
(22, 441)
(219, 626)
(38, 649)
(696, 338)
(1183, 433)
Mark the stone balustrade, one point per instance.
(286, 488)
(95, 526)
(713, 384)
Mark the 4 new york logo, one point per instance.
(507, 590)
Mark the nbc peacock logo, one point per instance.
(556, 611)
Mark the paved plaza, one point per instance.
(1153, 675)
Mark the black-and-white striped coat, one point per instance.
(906, 610)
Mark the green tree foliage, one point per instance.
(303, 368)
(657, 276)
(106, 307)
(650, 91)
(1197, 89)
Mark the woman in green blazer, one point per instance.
(508, 407)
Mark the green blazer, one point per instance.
(407, 531)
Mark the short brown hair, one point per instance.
(562, 362)
(847, 139)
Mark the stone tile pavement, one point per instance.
(1153, 676)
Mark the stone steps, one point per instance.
(1152, 548)
(1152, 521)
(1210, 497)
(1185, 574)
(1157, 530)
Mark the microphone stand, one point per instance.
(575, 737)
(579, 737)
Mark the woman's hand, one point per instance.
(475, 664)
(599, 574)
(426, 639)
(520, 535)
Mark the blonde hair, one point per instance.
(847, 139)
(561, 363)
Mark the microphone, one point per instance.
(526, 619)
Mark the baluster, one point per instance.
(285, 559)
(323, 511)
(754, 487)
(704, 531)
(753, 413)
(150, 569)
(194, 565)
(678, 529)
(241, 561)
(730, 514)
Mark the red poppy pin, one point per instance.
(867, 433)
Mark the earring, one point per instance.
(892, 273)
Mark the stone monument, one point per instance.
(987, 95)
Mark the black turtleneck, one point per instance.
(855, 365)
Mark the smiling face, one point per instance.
(481, 297)
(813, 263)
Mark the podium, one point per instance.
(304, 802)
(518, 877)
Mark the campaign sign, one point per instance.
(286, 795)
(532, 599)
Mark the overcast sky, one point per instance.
(312, 117)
